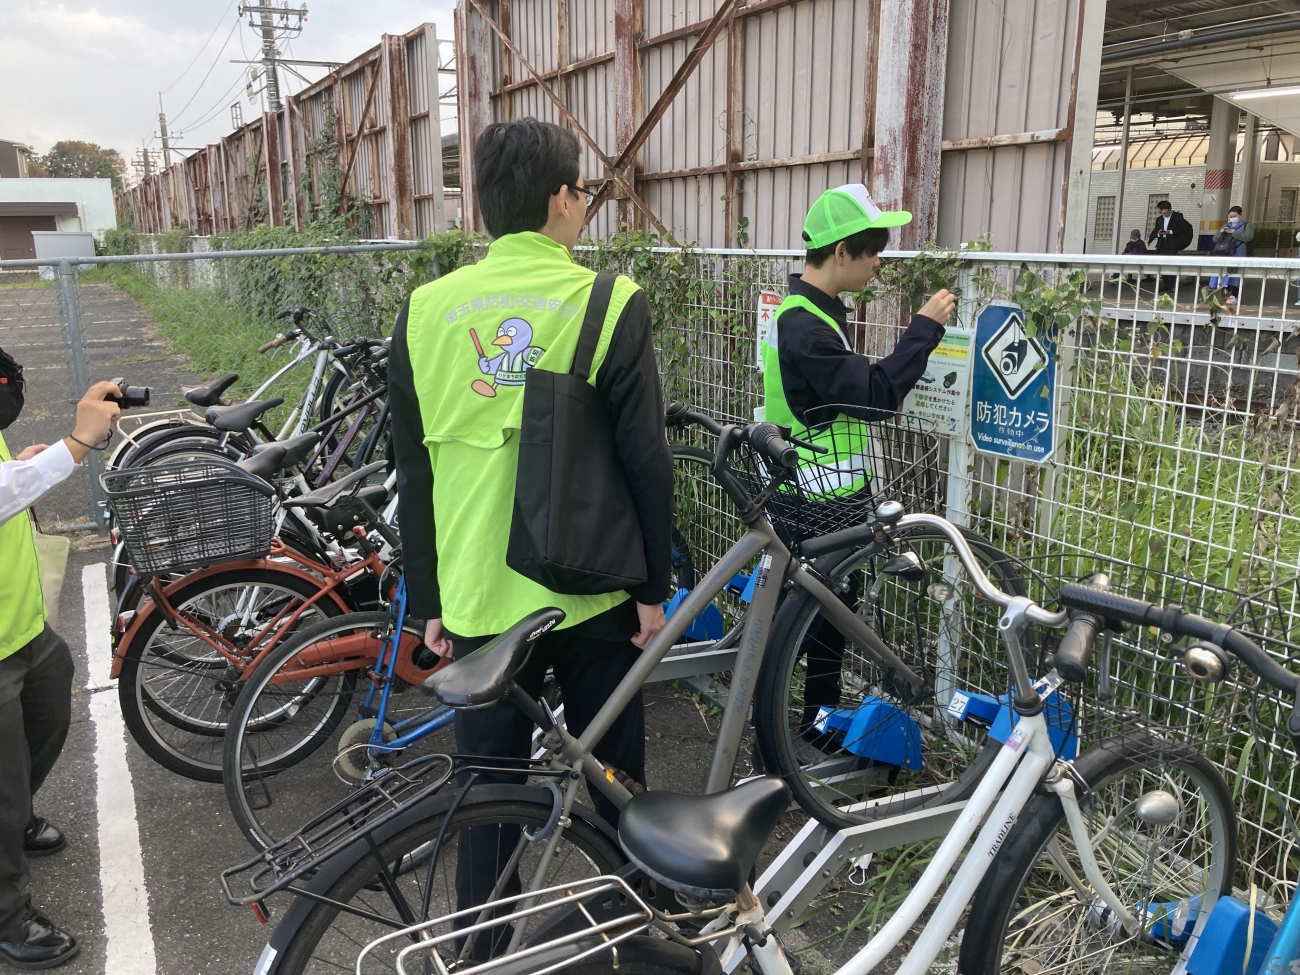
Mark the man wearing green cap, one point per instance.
(808, 360)
(809, 366)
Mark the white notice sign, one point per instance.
(943, 391)
(768, 301)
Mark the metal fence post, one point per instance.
(74, 333)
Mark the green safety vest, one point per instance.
(839, 471)
(22, 606)
(473, 335)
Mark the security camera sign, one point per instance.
(942, 392)
(1013, 388)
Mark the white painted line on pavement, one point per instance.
(121, 869)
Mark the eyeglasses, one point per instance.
(586, 191)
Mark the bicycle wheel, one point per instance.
(176, 690)
(203, 438)
(1034, 913)
(318, 937)
(309, 693)
(829, 721)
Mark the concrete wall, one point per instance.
(94, 199)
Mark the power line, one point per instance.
(215, 61)
(201, 49)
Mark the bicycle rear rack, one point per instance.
(386, 796)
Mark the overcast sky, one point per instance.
(92, 69)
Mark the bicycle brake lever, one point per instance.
(806, 445)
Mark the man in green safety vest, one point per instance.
(35, 669)
(809, 368)
(460, 350)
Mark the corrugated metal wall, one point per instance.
(393, 165)
(783, 104)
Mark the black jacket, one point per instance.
(628, 386)
(1136, 247)
(1180, 234)
(817, 369)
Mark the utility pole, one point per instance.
(267, 14)
(144, 155)
(162, 131)
(268, 61)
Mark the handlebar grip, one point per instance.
(1075, 651)
(815, 548)
(768, 440)
(1106, 604)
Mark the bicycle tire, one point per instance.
(262, 744)
(192, 433)
(317, 937)
(116, 458)
(952, 761)
(1008, 903)
(188, 739)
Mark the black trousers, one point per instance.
(588, 670)
(35, 710)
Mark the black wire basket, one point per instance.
(890, 457)
(177, 517)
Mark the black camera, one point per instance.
(132, 396)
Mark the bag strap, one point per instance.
(597, 306)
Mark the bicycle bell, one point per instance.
(1205, 661)
(888, 512)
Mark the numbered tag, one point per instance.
(957, 706)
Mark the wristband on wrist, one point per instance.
(88, 446)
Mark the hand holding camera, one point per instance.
(97, 414)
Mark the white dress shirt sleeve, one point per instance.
(22, 482)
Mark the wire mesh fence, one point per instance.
(1177, 468)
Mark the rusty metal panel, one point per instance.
(1009, 67)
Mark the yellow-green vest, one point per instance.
(472, 335)
(839, 471)
(22, 606)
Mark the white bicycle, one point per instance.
(1110, 862)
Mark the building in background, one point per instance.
(13, 159)
(68, 205)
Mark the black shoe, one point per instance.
(40, 839)
(34, 942)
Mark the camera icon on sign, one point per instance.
(1013, 357)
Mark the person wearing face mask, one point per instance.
(1232, 240)
(35, 667)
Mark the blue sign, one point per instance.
(1013, 387)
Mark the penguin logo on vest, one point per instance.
(509, 366)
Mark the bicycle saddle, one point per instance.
(296, 449)
(704, 846)
(265, 464)
(483, 677)
(238, 418)
(323, 497)
(209, 394)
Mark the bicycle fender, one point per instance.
(150, 607)
(268, 962)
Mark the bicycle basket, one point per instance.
(176, 517)
(864, 463)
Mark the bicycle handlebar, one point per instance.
(1075, 649)
(1171, 619)
(279, 340)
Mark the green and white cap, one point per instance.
(843, 211)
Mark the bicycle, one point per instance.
(702, 848)
(183, 656)
(299, 698)
(394, 824)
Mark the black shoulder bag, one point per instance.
(575, 528)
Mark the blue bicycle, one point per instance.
(326, 712)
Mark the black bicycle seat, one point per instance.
(209, 394)
(264, 464)
(296, 449)
(323, 497)
(483, 677)
(704, 846)
(238, 418)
